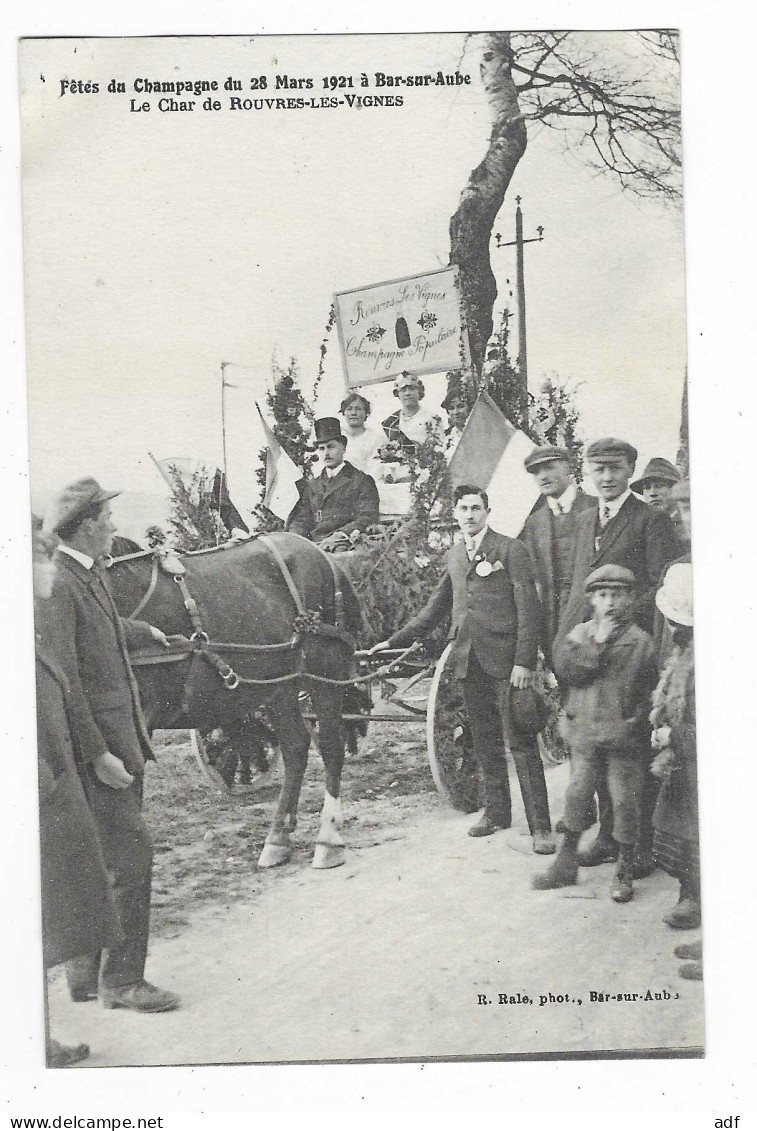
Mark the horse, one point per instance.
(262, 617)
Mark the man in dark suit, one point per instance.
(489, 590)
(622, 531)
(91, 641)
(548, 534)
(338, 502)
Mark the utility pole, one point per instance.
(518, 244)
(223, 419)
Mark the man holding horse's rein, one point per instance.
(91, 641)
(489, 590)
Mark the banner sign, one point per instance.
(412, 325)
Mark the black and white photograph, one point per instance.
(361, 522)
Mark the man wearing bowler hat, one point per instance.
(338, 502)
(548, 533)
(488, 589)
(92, 641)
(620, 530)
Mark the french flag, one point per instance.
(490, 455)
(281, 474)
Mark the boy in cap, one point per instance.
(341, 500)
(607, 665)
(548, 533)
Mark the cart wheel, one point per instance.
(225, 772)
(450, 749)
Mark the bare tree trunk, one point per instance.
(471, 226)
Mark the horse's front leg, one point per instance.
(329, 847)
(294, 739)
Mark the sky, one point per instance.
(158, 245)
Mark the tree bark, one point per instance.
(471, 226)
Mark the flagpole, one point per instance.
(223, 419)
(161, 472)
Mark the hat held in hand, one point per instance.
(528, 711)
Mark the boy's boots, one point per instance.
(563, 871)
(622, 886)
(602, 850)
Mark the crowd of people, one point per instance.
(600, 585)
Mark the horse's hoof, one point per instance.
(328, 855)
(273, 855)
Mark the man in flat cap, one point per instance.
(339, 502)
(624, 531)
(608, 666)
(548, 533)
(92, 641)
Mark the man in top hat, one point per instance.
(488, 589)
(655, 482)
(411, 423)
(338, 502)
(548, 533)
(620, 530)
(91, 642)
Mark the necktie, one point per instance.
(604, 514)
(559, 507)
(470, 547)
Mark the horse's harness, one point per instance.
(306, 623)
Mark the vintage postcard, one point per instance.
(363, 596)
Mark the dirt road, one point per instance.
(391, 955)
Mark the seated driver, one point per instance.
(341, 502)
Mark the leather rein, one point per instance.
(199, 643)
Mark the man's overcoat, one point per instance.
(497, 615)
(78, 914)
(639, 538)
(538, 536)
(92, 641)
(340, 503)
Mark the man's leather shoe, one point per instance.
(143, 998)
(685, 915)
(692, 971)
(485, 826)
(692, 952)
(544, 844)
(80, 995)
(63, 1056)
(602, 850)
